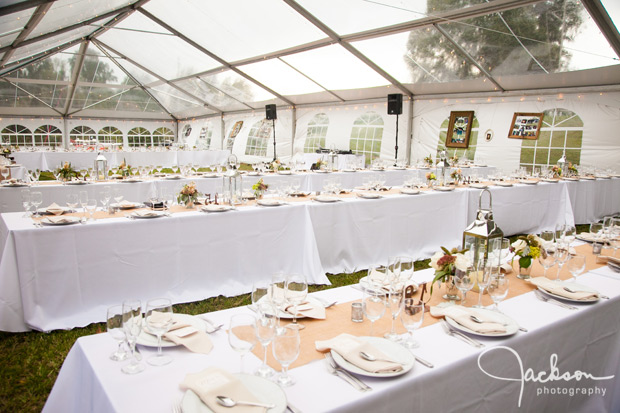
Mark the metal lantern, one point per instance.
(443, 166)
(562, 162)
(479, 235)
(101, 168)
(232, 187)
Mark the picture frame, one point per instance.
(459, 129)
(525, 125)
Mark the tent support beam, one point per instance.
(31, 95)
(36, 18)
(75, 76)
(22, 5)
(469, 57)
(313, 81)
(37, 57)
(213, 56)
(332, 35)
(604, 23)
(409, 131)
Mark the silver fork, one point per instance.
(177, 407)
(334, 369)
(459, 335)
(542, 297)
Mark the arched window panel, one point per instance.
(316, 133)
(162, 136)
(549, 37)
(155, 48)
(366, 135)
(210, 94)
(561, 130)
(110, 134)
(613, 10)
(332, 66)
(49, 43)
(258, 138)
(66, 13)
(241, 89)
(82, 135)
(235, 31)
(16, 135)
(47, 135)
(232, 134)
(139, 136)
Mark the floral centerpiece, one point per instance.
(430, 177)
(445, 263)
(457, 175)
(556, 171)
(66, 172)
(124, 169)
(454, 160)
(429, 160)
(318, 165)
(275, 165)
(573, 169)
(188, 195)
(6, 152)
(528, 248)
(258, 188)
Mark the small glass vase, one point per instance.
(525, 272)
(431, 183)
(451, 293)
(258, 194)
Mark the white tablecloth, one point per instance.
(584, 340)
(593, 200)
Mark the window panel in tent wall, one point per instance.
(316, 133)
(17, 135)
(162, 135)
(47, 135)
(258, 138)
(110, 134)
(232, 134)
(139, 136)
(81, 135)
(562, 130)
(366, 135)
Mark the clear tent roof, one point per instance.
(160, 59)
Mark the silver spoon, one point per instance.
(576, 291)
(228, 402)
(370, 357)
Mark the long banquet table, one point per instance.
(586, 340)
(64, 276)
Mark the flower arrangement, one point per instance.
(275, 165)
(430, 176)
(6, 152)
(573, 169)
(446, 262)
(318, 164)
(259, 187)
(66, 171)
(527, 248)
(454, 160)
(429, 160)
(556, 170)
(457, 175)
(124, 169)
(188, 195)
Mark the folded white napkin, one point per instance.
(491, 323)
(60, 219)
(126, 204)
(213, 382)
(54, 209)
(146, 213)
(308, 309)
(349, 347)
(557, 288)
(188, 336)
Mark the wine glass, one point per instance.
(377, 275)
(373, 305)
(285, 348)
(498, 290)
(395, 304)
(276, 292)
(105, 196)
(242, 334)
(260, 289)
(547, 256)
(412, 317)
(5, 173)
(547, 236)
(570, 233)
(464, 280)
(132, 325)
(114, 326)
(562, 255)
(614, 238)
(91, 206)
(295, 292)
(36, 199)
(576, 265)
(158, 317)
(596, 230)
(118, 196)
(83, 202)
(26, 198)
(72, 201)
(606, 225)
(484, 278)
(266, 325)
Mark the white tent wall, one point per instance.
(599, 111)
(213, 126)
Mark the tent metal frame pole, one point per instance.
(468, 57)
(75, 76)
(409, 131)
(22, 5)
(35, 19)
(212, 55)
(31, 95)
(605, 24)
(103, 100)
(39, 56)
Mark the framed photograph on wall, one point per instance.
(525, 125)
(459, 129)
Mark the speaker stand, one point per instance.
(274, 139)
(396, 147)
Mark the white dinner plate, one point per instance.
(587, 178)
(368, 195)
(130, 180)
(504, 184)
(283, 314)
(578, 287)
(409, 191)
(285, 173)
(444, 188)
(321, 171)
(325, 198)
(264, 390)
(66, 221)
(478, 186)
(15, 185)
(270, 202)
(551, 181)
(253, 173)
(216, 208)
(529, 182)
(349, 170)
(43, 211)
(152, 214)
(150, 340)
(76, 183)
(511, 326)
(170, 177)
(394, 351)
(127, 205)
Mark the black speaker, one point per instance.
(270, 112)
(395, 104)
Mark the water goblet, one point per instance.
(570, 233)
(296, 291)
(5, 172)
(285, 348)
(576, 265)
(266, 326)
(118, 196)
(105, 195)
(377, 275)
(562, 255)
(276, 292)
(547, 256)
(132, 325)
(242, 334)
(72, 201)
(547, 236)
(614, 238)
(606, 225)
(464, 280)
(498, 290)
(91, 207)
(26, 198)
(395, 304)
(158, 318)
(412, 317)
(596, 230)
(373, 305)
(484, 278)
(83, 202)
(36, 199)
(260, 289)
(114, 326)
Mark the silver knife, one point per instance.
(544, 298)
(423, 362)
(460, 335)
(292, 408)
(330, 359)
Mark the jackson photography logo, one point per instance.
(544, 377)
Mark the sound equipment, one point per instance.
(270, 112)
(395, 104)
